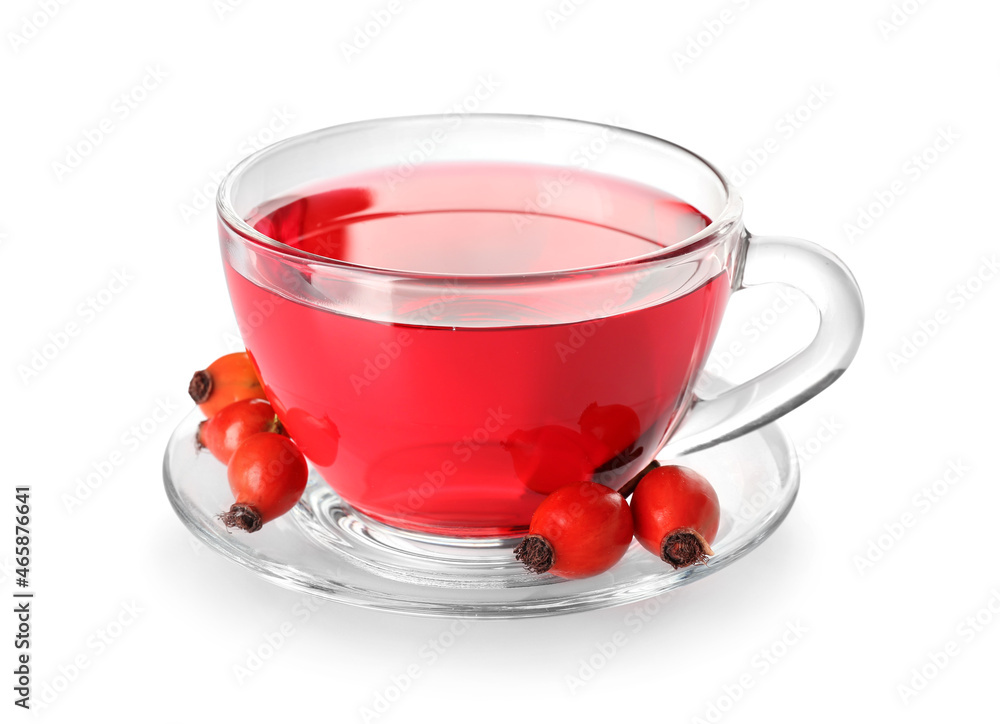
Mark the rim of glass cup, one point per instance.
(717, 230)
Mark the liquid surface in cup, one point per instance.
(461, 429)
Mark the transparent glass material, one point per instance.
(388, 455)
(324, 548)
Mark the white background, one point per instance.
(872, 609)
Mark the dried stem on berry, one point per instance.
(276, 427)
(628, 488)
(685, 546)
(620, 460)
(244, 517)
(200, 388)
(535, 553)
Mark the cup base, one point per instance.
(405, 555)
(327, 549)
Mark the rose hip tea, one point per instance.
(459, 420)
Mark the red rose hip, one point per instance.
(676, 515)
(227, 380)
(611, 430)
(547, 458)
(580, 530)
(228, 428)
(268, 475)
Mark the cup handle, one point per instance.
(828, 284)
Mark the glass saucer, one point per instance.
(324, 547)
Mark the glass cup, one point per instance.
(449, 398)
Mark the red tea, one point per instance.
(461, 420)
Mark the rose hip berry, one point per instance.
(547, 458)
(611, 430)
(317, 438)
(229, 379)
(228, 428)
(579, 530)
(268, 475)
(676, 515)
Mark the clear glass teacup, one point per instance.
(455, 316)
